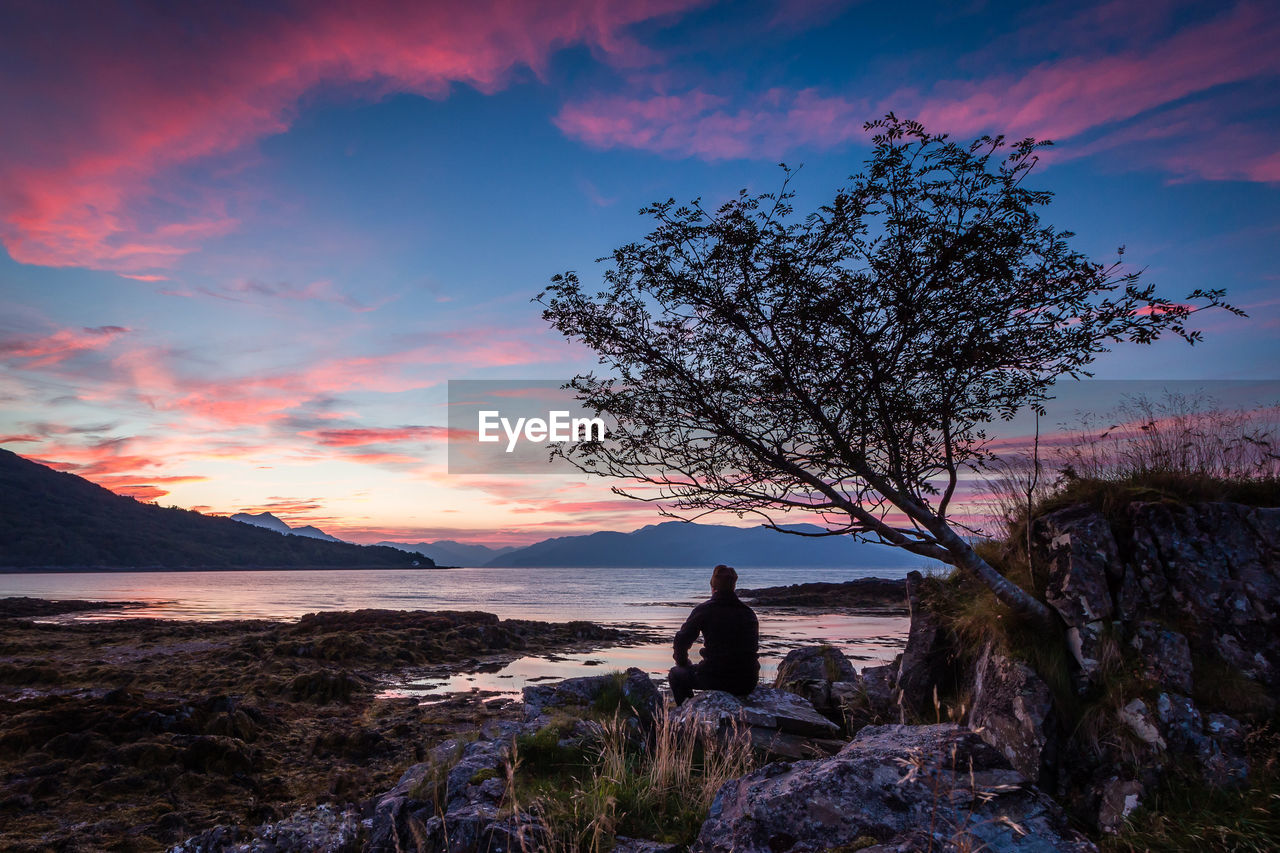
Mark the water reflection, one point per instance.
(868, 641)
(658, 599)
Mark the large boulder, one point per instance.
(900, 787)
(817, 663)
(1011, 710)
(821, 674)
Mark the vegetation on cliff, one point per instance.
(1161, 528)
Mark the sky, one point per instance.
(246, 245)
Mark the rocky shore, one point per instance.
(133, 734)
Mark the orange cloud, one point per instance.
(117, 101)
(113, 465)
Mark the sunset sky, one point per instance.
(246, 245)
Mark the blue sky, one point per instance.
(244, 251)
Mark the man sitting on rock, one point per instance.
(730, 643)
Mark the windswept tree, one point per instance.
(844, 365)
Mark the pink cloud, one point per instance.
(118, 464)
(1067, 97)
(1193, 141)
(1060, 99)
(119, 101)
(45, 350)
(701, 124)
(250, 291)
(385, 435)
(153, 375)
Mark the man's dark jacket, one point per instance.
(730, 639)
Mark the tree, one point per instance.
(845, 364)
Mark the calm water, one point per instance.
(654, 598)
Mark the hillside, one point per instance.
(678, 543)
(51, 519)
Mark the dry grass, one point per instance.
(1189, 435)
(1180, 448)
(658, 787)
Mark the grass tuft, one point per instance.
(660, 787)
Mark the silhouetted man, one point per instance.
(730, 643)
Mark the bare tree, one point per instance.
(844, 364)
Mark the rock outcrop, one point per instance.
(1212, 569)
(922, 667)
(1012, 711)
(1176, 596)
(893, 787)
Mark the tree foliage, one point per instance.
(846, 363)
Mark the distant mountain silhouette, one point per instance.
(50, 519)
(446, 552)
(678, 543)
(270, 522)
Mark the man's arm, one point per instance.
(688, 632)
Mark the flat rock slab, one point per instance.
(766, 708)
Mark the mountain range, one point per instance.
(50, 519)
(446, 552)
(679, 543)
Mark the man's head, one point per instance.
(723, 579)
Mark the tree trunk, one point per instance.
(1009, 593)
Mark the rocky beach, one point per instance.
(132, 734)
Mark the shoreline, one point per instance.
(138, 733)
